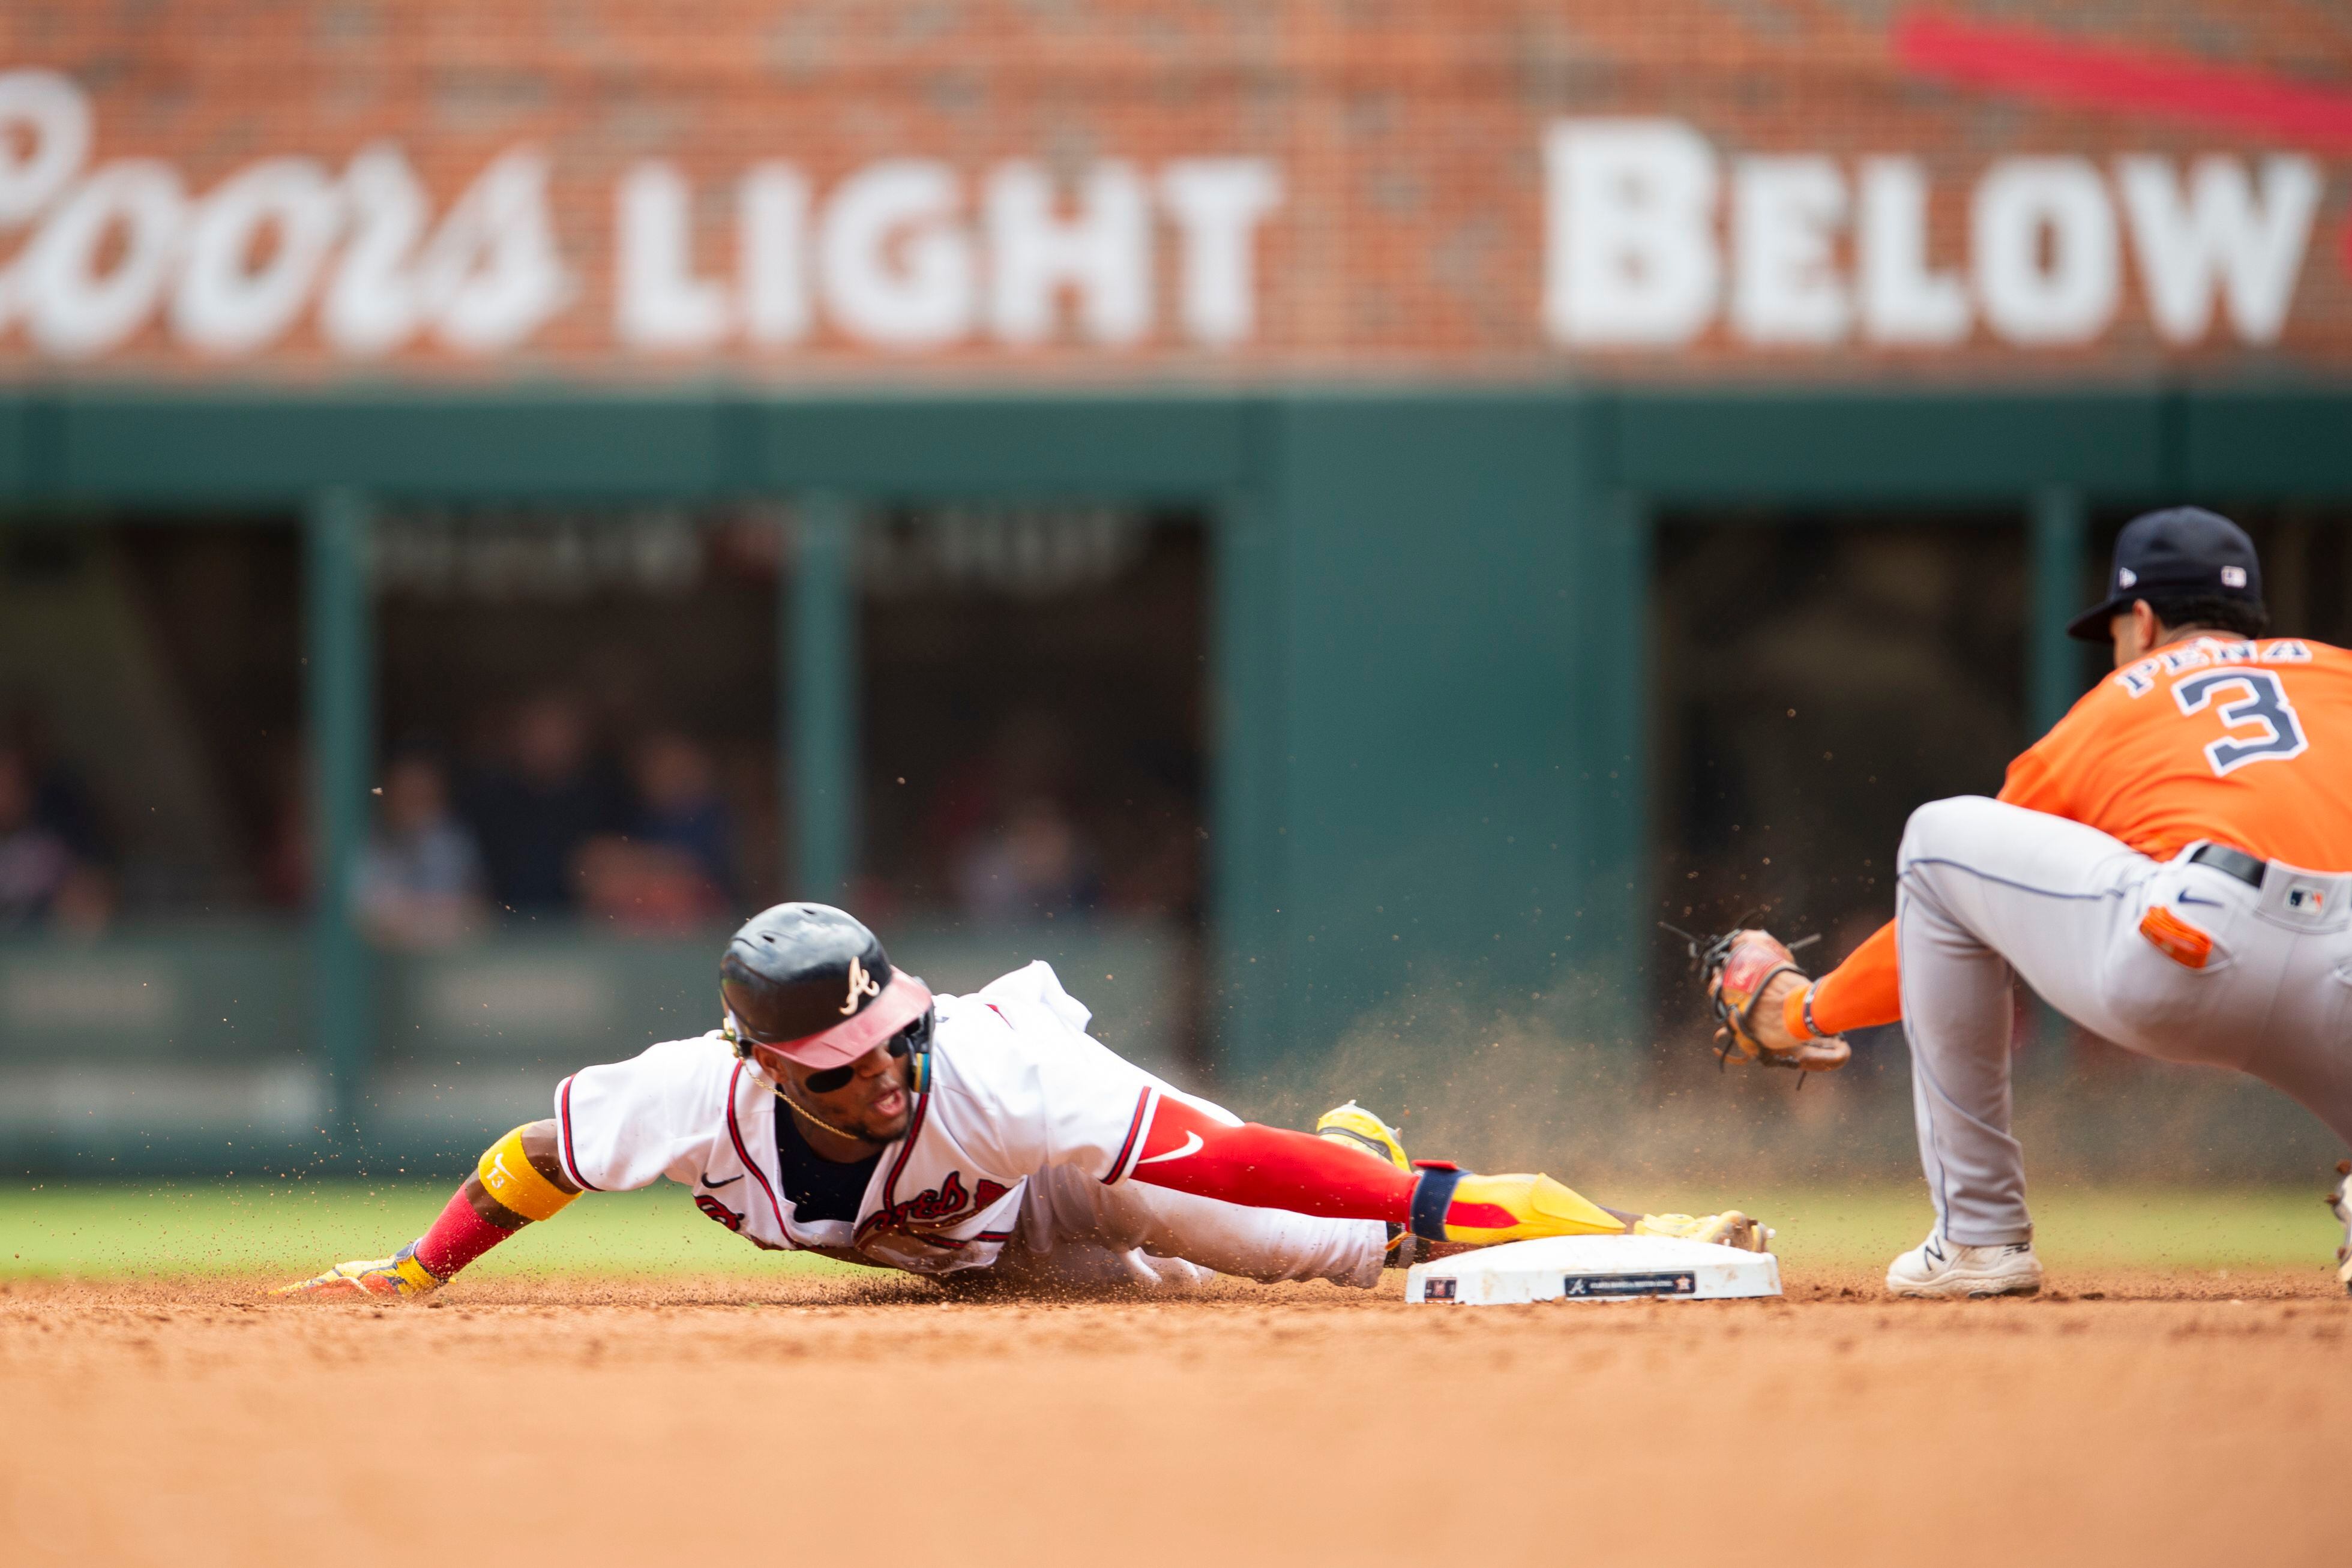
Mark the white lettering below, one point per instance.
(1903, 300)
(2045, 251)
(1630, 256)
(1785, 217)
(2219, 237)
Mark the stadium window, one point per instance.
(583, 701)
(1817, 677)
(151, 760)
(1033, 683)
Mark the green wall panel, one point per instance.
(2264, 445)
(18, 445)
(1783, 447)
(158, 450)
(1434, 820)
(1175, 448)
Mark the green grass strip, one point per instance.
(129, 1229)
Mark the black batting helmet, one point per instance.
(811, 982)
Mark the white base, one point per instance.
(1593, 1268)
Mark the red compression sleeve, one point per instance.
(456, 1238)
(1268, 1167)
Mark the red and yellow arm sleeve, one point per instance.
(1187, 1150)
(516, 1192)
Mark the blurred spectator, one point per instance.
(681, 807)
(420, 880)
(61, 798)
(677, 872)
(42, 881)
(533, 816)
(1036, 865)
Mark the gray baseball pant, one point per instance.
(1987, 889)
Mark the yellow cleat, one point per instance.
(1729, 1228)
(1353, 1125)
(400, 1278)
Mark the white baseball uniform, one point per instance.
(1017, 1158)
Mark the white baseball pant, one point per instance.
(1985, 889)
(1075, 1232)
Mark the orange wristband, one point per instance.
(1792, 1012)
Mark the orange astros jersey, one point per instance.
(2242, 742)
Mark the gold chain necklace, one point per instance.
(808, 1115)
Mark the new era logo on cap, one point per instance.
(2180, 553)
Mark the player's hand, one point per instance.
(1749, 977)
(398, 1277)
(1729, 1228)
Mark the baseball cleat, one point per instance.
(398, 1278)
(1353, 1125)
(2339, 1204)
(1729, 1228)
(1940, 1267)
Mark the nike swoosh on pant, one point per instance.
(1191, 1147)
(2191, 898)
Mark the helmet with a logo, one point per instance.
(812, 983)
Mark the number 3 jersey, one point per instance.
(1013, 1085)
(2243, 742)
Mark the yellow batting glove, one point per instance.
(1451, 1205)
(398, 1278)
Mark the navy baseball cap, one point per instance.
(2177, 553)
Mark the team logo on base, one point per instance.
(1438, 1289)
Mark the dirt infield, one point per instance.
(2123, 1419)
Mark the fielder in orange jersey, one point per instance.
(2170, 867)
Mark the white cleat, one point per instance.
(2339, 1204)
(1940, 1267)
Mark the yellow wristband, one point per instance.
(507, 1176)
(419, 1278)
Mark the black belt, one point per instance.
(2232, 862)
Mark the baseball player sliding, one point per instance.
(845, 1110)
(2167, 867)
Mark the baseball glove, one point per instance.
(1738, 970)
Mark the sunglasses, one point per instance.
(829, 1080)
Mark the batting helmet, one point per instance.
(812, 983)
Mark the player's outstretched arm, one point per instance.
(518, 1179)
(1272, 1167)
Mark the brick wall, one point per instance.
(501, 189)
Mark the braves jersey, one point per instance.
(1013, 1085)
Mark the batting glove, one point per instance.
(1454, 1204)
(1729, 1228)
